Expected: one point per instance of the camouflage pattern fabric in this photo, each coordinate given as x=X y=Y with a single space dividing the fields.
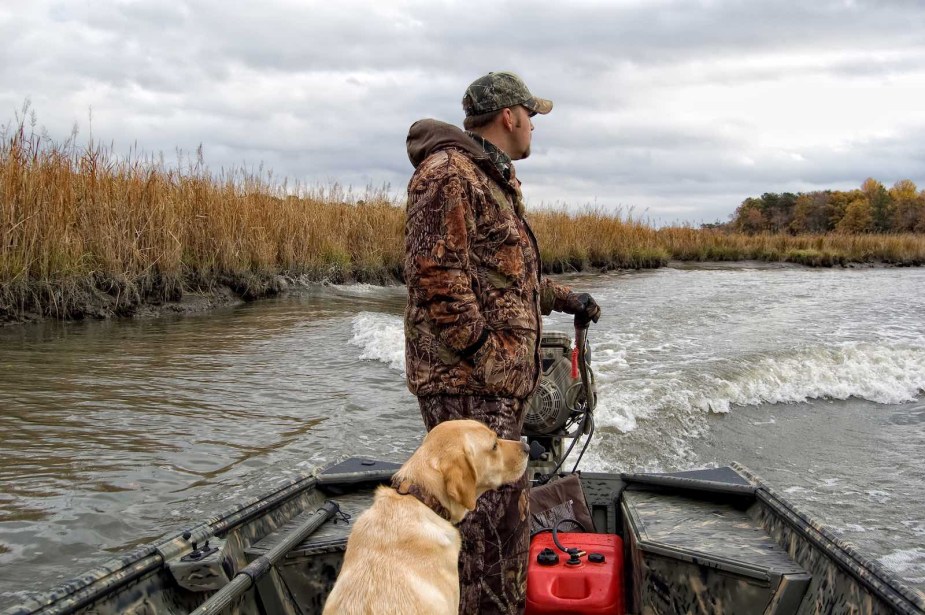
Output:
x=496 y=535
x=498 y=90
x=475 y=294
x=501 y=160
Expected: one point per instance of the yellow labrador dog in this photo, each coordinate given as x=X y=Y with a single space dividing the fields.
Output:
x=403 y=552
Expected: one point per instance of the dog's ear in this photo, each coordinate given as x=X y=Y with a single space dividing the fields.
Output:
x=461 y=481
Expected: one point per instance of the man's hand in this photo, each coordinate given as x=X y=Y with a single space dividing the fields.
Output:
x=584 y=307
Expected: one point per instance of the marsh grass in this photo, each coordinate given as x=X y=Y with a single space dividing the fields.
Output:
x=595 y=239
x=84 y=232
x=689 y=244
x=81 y=227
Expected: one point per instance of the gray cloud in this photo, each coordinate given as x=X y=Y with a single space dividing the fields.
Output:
x=676 y=108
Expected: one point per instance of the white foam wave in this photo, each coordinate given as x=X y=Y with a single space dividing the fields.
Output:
x=881 y=497
x=358 y=289
x=886 y=375
x=629 y=393
x=381 y=337
x=856 y=528
x=908 y=563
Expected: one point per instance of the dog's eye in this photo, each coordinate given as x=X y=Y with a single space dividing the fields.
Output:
x=495 y=447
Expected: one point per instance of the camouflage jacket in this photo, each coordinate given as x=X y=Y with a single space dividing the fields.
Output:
x=475 y=293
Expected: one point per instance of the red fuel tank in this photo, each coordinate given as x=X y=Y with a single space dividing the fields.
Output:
x=592 y=586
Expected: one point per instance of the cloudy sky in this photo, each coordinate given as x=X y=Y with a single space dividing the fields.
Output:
x=673 y=110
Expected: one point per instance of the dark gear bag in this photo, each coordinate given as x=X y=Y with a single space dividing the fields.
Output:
x=560 y=499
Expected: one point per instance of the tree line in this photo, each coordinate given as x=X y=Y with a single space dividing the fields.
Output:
x=872 y=208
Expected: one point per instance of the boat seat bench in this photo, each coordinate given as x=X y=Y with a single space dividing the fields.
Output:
x=705 y=556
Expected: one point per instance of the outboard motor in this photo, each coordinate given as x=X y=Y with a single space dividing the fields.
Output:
x=556 y=411
x=562 y=408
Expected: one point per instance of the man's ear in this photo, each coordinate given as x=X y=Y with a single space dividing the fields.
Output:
x=460 y=479
x=508 y=118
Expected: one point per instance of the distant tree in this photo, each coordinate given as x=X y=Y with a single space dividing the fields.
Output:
x=838 y=205
x=858 y=218
x=881 y=205
x=908 y=206
x=777 y=210
x=904 y=189
x=920 y=225
x=802 y=212
x=812 y=213
x=868 y=209
x=749 y=217
x=783 y=213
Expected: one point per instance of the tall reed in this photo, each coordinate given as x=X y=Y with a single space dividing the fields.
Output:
x=595 y=239
x=80 y=225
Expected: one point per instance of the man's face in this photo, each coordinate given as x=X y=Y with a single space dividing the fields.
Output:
x=523 y=132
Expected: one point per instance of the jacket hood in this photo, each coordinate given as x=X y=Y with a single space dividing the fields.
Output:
x=428 y=136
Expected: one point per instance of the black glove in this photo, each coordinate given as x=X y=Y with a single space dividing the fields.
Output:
x=584 y=307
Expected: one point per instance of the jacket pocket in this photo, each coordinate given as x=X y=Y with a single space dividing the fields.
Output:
x=502 y=255
x=495 y=363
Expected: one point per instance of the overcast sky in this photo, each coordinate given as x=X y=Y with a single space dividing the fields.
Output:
x=674 y=110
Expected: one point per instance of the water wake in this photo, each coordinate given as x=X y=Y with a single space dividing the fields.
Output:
x=380 y=337
x=908 y=563
x=882 y=374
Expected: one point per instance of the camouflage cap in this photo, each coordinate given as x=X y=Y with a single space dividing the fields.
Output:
x=498 y=90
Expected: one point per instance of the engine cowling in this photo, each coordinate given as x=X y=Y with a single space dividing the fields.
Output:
x=558 y=395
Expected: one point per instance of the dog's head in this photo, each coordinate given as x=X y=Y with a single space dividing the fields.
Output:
x=460 y=460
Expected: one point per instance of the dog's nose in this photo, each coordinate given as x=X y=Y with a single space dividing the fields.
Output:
x=525 y=446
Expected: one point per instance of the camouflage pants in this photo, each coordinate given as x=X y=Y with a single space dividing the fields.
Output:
x=496 y=535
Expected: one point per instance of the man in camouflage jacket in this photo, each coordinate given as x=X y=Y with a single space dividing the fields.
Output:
x=475 y=299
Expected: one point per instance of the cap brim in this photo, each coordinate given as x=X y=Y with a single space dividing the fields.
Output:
x=539 y=105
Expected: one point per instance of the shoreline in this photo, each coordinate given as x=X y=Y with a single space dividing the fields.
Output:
x=191 y=302
x=93 y=303
x=759 y=264
x=145 y=300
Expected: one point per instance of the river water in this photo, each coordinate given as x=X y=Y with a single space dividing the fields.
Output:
x=115 y=433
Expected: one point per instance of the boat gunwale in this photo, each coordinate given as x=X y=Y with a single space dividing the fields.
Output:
x=889 y=586
x=100 y=579
x=150 y=557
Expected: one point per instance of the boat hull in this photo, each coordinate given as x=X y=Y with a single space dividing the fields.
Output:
x=712 y=541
